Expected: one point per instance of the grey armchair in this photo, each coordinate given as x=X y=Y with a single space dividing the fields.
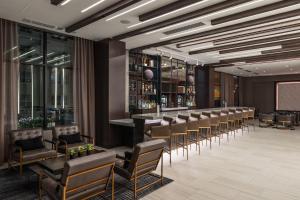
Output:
x=32 y=153
x=82 y=178
x=144 y=160
x=62 y=145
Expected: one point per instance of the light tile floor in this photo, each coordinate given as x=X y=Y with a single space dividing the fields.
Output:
x=260 y=165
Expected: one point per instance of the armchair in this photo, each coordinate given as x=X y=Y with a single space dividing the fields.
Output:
x=60 y=132
x=28 y=146
x=82 y=178
x=144 y=160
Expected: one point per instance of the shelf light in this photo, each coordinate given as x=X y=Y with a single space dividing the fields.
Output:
x=169 y=13
x=130 y=10
x=92 y=6
x=24 y=54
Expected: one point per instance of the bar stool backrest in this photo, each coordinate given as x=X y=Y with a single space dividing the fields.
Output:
x=231 y=116
x=216 y=112
x=193 y=125
x=232 y=110
x=178 y=128
x=160 y=131
x=204 y=123
x=223 y=118
x=238 y=115
x=214 y=119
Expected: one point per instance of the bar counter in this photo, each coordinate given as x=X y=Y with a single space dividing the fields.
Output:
x=176 y=113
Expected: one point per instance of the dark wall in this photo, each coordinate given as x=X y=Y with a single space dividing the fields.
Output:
x=227 y=88
x=259 y=92
x=202 y=87
x=110 y=73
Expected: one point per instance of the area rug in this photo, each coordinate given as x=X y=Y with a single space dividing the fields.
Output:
x=15 y=187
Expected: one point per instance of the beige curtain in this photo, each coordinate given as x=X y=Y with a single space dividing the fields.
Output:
x=84 y=100
x=9 y=72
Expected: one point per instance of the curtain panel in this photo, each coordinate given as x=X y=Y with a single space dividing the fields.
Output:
x=84 y=90
x=9 y=73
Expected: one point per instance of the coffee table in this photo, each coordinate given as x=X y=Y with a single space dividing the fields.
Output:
x=56 y=165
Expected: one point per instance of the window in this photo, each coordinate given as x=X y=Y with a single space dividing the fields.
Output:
x=45 y=96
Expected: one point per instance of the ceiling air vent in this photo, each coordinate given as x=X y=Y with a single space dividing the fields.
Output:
x=41 y=24
x=184 y=28
x=173 y=49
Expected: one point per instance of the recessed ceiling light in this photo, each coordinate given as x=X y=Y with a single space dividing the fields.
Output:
x=92 y=6
x=125 y=21
x=65 y=2
x=265 y=71
x=132 y=9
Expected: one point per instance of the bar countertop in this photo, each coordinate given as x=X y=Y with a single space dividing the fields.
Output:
x=160 y=115
x=123 y=122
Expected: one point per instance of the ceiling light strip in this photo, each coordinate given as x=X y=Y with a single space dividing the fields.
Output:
x=92 y=6
x=169 y=13
x=130 y=10
x=262 y=36
x=65 y=2
x=24 y=54
x=254 y=29
x=202 y=17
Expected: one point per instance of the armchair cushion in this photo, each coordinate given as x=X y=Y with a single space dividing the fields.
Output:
x=71 y=139
x=35 y=154
x=30 y=144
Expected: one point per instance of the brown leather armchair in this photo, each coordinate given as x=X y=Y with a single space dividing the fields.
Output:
x=144 y=160
x=82 y=178
x=62 y=145
x=31 y=155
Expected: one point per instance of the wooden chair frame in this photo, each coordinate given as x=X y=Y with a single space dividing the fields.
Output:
x=66 y=190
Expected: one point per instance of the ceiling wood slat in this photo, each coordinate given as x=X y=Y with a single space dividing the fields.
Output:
x=255 y=11
x=233 y=27
x=192 y=15
x=249 y=43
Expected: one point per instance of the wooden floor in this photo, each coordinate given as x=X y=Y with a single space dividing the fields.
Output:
x=264 y=164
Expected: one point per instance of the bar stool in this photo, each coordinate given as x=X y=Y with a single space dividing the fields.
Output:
x=238 y=116
x=224 y=124
x=204 y=127
x=251 y=117
x=163 y=132
x=192 y=130
x=179 y=135
x=231 y=121
x=245 y=124
x=215 y=127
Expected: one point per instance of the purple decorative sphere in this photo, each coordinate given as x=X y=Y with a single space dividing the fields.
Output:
x=191 y=79
x=148 y=74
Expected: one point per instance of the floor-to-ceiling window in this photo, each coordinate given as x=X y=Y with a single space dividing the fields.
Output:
x=45 y=96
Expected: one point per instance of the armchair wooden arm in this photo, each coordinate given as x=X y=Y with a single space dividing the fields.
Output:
x=54 y=144
x=91 y=139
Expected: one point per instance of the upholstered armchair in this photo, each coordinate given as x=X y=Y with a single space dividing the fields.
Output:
x=82 y=178
x=67 y=137
x=28 y=146
x=144 y=160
